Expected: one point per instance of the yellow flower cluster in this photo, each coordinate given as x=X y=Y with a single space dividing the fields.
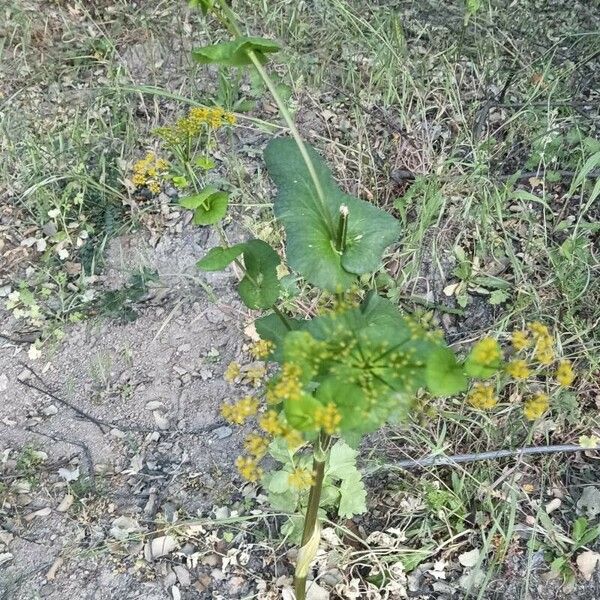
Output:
x=487 y=352
x=482 y=396
x=256 y=445
x=261 y=349
x=248 y=468
x=270 y=423
x=254 y=374
x=192 y=125
x=544 y=342
x=301 y=479
x=327 y=418
x=150 y=172
x=289 y=386
x=518 y=369
x=232 y=372
x=520 y=340
x=238 y=412
x=564 y=373
x=535 y=407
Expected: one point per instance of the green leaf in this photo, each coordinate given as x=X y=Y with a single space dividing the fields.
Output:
x=444 y=375
x=342 y=461
x=260 y=287
x=498 y=297
x=209 y=206
x=279 y=482
x=312 y=226
x=300 y=412
x=271 y=328
x=235 y=53
x=280 y=451
x=353 y=497
x=218 y=258
x=349 y=399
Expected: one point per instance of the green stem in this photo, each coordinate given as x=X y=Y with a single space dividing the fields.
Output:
x=230 y=21
x=320 y=451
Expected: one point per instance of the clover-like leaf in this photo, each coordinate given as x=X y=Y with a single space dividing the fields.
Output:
x=311 y=224
x=217 y=259
x=235 y=53
x=209 y=206
x=353 y=497
x=443 y=374
x=260 y=286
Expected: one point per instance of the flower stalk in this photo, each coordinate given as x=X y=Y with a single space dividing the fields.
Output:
x=312 y=531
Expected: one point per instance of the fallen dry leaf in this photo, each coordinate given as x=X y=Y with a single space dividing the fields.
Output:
x=587 y=562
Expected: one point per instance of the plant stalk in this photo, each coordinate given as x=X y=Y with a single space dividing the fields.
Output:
x=311 y=525
x=230 y=21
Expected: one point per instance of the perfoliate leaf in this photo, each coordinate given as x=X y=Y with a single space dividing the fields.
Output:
x=353 y=497
x=209 y=206
x=348 y=398
x=300 y=412
x=271 y=328
x=260 y=287
x=235 y=53
x=218 y=258
x=444 y=375
x=311 y=225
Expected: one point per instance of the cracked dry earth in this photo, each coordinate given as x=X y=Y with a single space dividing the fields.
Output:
x=85 y=494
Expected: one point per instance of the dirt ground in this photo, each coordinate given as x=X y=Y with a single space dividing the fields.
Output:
x=158 y=383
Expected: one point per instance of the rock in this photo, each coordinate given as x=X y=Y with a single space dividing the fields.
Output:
x=183 y=575
x=3 y=382
x=153 y=405
x=50 y=411
x=223 y=432
x=469 y=559
x=162 y=421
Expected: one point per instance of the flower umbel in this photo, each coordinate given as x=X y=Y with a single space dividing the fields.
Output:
x=256 y=445
x=248 y=468
x=520 y=340
x=261 y=349
x=535 y=407
x=231 y=372
x=482 y=396
x=238 y=413
x=487 y=352
x=518 y=369
x=270 y=423
x=301 y=479
x=327 y=418
x=564 y=373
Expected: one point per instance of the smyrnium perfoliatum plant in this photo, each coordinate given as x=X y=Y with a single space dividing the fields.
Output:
x=347 y=371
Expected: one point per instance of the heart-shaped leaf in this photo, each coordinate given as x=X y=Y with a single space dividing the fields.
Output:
x=260 y=287
x=311 y=224
x=235 y=53
x=218 y=258
x=209 y=206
